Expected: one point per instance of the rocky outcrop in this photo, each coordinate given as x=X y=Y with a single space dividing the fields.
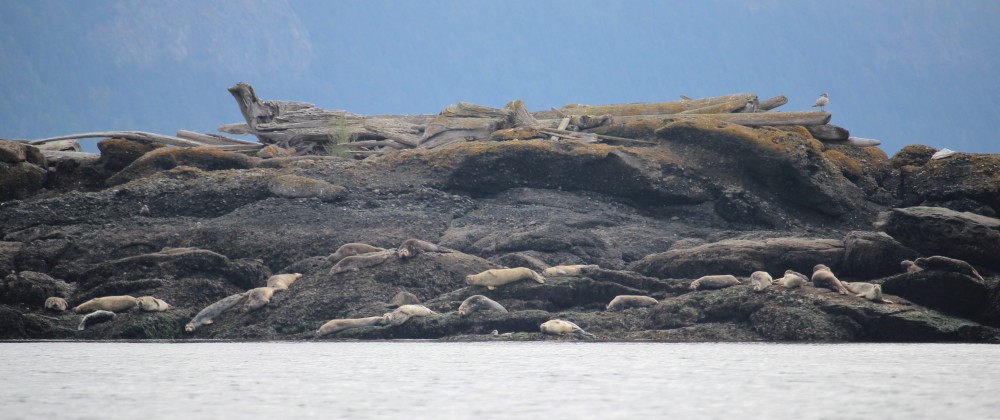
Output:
x=22 y=170
x=940 y=231
x=742 y=257
x=193 y=226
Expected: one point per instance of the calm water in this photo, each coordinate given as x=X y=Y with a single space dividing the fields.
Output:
x=497 y=380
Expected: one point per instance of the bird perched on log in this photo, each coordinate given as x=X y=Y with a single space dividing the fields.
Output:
x=822 y=101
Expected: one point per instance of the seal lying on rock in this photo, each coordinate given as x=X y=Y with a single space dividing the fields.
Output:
x=106 y=303
x=870 y=291
x=357 y=262
x=792 y=280
x=501 y=276
x=563 y=327
x=622 y=302
x=714 y=282
x=940 y=263
x=282 y=281
x=338 y=325
x=760 y=280
x=477 y=303
x=405 y=312
x=823 y=278
x=353 y=248
x=413 y=247
x=568 y=270
x=95 y=317
x=258 y=298
x=404 y=298
x=207 y=315
x=910 y=267
x=152 y=304
x=56 y=303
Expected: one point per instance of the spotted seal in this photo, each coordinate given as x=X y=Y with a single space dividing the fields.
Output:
x=353 y=248
x=152 y=304
x=56 y=303
x=96 y=317
x=760 y=280
x=568 y=270
x=413 y=247
x=338 y=325
x=792 y=280
x=870 y=291
x=282 y=281
x=824 y=278
x=563 y=327
x=477 y=303
x=357 y=262
x=106 y=303
x=207 y=315
x=714 y=282
x=501 y=276
x=622 y=302
x=940 y=263
x=405 y=312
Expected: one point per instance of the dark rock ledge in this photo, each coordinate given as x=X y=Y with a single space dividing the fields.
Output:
x=193 y=226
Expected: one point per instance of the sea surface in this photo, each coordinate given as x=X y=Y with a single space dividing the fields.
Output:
x=497 y=380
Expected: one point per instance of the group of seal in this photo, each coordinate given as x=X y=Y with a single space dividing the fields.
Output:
x=355 y=255
x=252 y=299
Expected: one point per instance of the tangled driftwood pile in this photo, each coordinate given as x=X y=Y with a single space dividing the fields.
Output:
x=291 y=127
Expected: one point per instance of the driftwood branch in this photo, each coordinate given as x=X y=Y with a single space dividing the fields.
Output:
x=828 y=132
x=131 y=135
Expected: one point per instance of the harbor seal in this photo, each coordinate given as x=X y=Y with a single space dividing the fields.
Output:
x=910 y=266
x=563 y=327
x=622 y=302
x=940 y=263
x=350 y=249
x=258 y=298
x=413 y=247
x=477 y=303
x=823 y=278
x=793 y=280
x=152 y=304
x=501 y=276
x=282 y=281
x=56 y=303
x=94 y=318
x=338 y=325
x=207 y=315
x=760 y=280
x=568 y=270
x=405 y=312
x=714 y=282
x=106 y=303
x=404 y=298
x=870 y=291
x=357 y=262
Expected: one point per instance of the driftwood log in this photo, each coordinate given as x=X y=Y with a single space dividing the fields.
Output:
x=311 y=130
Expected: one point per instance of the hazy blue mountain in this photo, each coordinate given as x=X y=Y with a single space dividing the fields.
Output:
x=913 y=72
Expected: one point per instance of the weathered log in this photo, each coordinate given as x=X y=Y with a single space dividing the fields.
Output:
x=772 y=103
x=645 y=108
x=214 y=139
x=131 y=135
x=565 y=133
x=313 y=130
x=756 y=119
x=730 y=105
x=61 y=145
x=828 y=132
x=374 y=143
x=55 y=156
x=860 y=142
x=519 y=115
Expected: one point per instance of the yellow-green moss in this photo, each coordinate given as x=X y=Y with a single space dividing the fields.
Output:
x=850 y=167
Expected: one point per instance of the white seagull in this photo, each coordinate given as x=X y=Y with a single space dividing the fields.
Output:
x=822 y=101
